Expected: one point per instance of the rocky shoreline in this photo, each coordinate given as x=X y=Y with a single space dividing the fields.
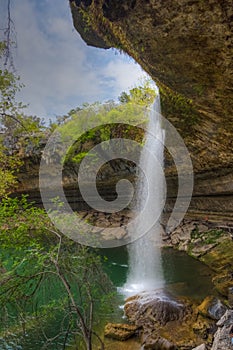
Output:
x=209 y=242
x=164 y=323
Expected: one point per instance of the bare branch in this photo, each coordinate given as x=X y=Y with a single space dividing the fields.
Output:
x=3 y=114
x=9 y=38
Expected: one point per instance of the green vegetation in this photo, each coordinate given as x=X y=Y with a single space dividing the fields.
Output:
x=95 y=123
x=46 y=277
x=12 y=119
x=199 y=89
x=202 y=239
x=8 y=168
x=179 y=110
x=209 y=237
x=13 y=123
x=34 y=257
x=131 y=109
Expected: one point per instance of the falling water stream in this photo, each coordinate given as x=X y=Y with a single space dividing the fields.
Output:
x=145 y=266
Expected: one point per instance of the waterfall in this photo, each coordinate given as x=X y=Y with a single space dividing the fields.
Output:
x=145 y=266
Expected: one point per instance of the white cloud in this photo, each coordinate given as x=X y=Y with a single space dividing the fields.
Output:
x=59 y=70
x=122 y=74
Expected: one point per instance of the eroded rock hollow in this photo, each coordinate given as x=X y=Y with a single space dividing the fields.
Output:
x=186 y=46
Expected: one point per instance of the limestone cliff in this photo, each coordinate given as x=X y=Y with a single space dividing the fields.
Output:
x=186 y=46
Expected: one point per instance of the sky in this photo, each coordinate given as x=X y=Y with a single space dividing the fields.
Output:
x=58 y=69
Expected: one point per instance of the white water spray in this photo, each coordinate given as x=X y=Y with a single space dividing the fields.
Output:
x=145 y=266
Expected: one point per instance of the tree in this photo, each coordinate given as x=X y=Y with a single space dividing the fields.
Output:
x=15 y=127
x=40 y=256
x=8 y=169
x=11 y=121
x=12 y=118
x=10 y=110
x=143 y=95
x=116 y=121
x=9 y=37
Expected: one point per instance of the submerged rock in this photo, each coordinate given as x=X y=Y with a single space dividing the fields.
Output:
x=120 y=331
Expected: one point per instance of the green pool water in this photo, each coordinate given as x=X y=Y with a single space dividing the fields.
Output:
x=184 y=276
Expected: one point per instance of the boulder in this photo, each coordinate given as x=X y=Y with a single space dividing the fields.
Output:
x=187 y=230
x=182 y=233
x=201 y=248
x=222 y=338
x=226 y=319
x=152 y=307
x=120 y=331
x=110 y=234
x=212 y=307
x=175 y=239
x=168 y=323
x=158 y=344
x=230 y=297
x=184 y=246
x=200 y=347
x=202 y=228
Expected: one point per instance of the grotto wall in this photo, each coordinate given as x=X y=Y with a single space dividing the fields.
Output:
x=187 y=47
